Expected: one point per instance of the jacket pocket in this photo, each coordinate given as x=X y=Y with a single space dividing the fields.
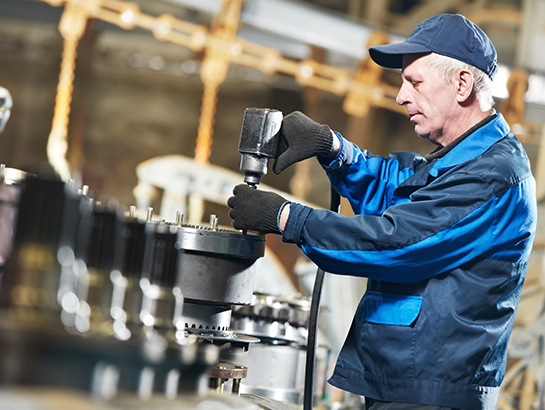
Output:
x=391 y=309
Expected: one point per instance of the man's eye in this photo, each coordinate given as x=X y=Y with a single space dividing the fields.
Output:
x=415 y=83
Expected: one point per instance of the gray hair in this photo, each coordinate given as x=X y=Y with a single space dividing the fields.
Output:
x=482 y=84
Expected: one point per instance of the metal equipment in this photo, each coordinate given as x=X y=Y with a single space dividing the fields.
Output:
x=91 y=300
x=10 y=190
x=216 y=271
x=135 y=312
x=6 y=103
x=258 y=142
x=276 y=366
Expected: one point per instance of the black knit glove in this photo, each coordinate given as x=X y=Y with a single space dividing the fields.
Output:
x=255 y=210
x=302 y=138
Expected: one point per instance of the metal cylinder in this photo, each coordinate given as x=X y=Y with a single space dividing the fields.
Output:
x=95 y=288
x=31 y=278
x=259 y=131
x=127 y=294
x=276 y=366
x=160 y=295
x=207 y=317
x=9 y=200
x=218 y=266
x=258 y=142
x=254 y=167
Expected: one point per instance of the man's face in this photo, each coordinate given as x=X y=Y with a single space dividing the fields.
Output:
x=430 y=100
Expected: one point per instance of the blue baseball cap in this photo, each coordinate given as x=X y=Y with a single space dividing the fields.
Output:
x=451 y=35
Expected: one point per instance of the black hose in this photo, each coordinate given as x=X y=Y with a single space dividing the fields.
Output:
x=312 y=339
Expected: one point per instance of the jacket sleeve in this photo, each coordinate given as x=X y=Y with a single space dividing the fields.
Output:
x=442 y=227
x=368 y=181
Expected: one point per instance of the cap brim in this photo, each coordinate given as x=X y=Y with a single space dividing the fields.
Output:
x=391 y=55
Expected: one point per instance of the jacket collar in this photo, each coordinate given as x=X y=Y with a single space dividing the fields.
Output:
x=472 y=146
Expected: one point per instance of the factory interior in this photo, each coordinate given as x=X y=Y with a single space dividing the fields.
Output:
x=122 y=146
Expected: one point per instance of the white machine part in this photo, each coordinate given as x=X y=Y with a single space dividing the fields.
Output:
x=6 y=103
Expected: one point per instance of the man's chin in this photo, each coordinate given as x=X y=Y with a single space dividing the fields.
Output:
x=421 y=135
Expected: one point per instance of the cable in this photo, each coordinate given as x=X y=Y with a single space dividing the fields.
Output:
x=312 y=340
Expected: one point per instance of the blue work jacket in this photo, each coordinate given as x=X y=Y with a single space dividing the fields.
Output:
x=445 y=245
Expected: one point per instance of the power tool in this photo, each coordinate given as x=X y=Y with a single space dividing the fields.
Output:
x=258 y=142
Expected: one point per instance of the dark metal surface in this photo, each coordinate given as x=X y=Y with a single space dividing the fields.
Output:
x=133 y=244
x=103 y=239
x=214 y=278
x=218 y=266
x=9 y=198
x=221 y=241
x=258 y=142
x=31 y=277
x=161 y=255
x=259 y=131
x=207 y=317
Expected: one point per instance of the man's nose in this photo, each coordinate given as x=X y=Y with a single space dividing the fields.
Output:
x=402 y=96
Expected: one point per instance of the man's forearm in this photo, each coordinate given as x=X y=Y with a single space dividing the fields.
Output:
x=284 y=215
x=334 y=149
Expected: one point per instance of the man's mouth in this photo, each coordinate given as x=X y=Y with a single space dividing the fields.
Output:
x=413 y=115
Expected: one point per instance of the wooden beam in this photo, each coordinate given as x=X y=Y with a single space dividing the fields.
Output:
x=377 y=11
x=424 y=10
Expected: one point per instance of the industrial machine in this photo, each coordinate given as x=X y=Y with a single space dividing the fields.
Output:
x=276 y=366
x=91 y=300
x=134 y=312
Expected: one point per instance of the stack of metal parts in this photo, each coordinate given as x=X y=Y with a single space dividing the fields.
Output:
x=276 y=366
x=132 y=313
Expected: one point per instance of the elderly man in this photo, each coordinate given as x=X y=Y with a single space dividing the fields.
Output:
x=444 y=240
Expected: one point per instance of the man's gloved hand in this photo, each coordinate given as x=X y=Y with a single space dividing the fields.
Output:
x=302 y=138
x=255 y=210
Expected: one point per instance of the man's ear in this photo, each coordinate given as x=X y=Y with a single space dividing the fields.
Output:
x=464 y=85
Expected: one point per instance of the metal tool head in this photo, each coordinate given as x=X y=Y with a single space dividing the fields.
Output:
x=258 y=142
